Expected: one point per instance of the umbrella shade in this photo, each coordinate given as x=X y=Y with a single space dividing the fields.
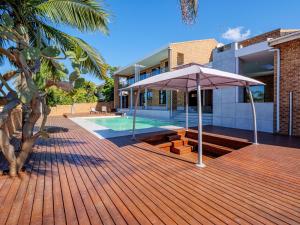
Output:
x=186 y=79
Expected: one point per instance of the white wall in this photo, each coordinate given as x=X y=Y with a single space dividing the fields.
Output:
x=227 y=112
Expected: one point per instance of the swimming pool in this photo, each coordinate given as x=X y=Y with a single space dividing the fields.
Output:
x=116 y=126
x=125 y=123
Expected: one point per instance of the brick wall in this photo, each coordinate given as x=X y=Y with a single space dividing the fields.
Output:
x=289 y=81
x=263 y=37
x=198 y=51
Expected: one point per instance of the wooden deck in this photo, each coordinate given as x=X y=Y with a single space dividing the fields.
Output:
x=76 y=178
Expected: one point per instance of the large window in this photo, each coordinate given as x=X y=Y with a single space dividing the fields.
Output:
x=260 y=93
x=162 y=97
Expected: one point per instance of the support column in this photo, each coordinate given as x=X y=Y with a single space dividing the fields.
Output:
x=167 y=100
x=121 y=102
x=253 y=114
x=134 y=113
x=131 y=99
x=171 y=104
x=187 y=110
x=146 y=98
x=200 y=150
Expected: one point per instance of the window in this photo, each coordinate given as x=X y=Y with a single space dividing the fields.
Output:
x=149 y=95
x=180 y=58
x=260 y=93
x=162 y=97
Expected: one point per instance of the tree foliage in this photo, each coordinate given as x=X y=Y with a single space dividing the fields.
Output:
x=106 y=91
x=31 y=42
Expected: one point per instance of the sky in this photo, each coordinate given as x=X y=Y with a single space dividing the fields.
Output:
x=139 y=27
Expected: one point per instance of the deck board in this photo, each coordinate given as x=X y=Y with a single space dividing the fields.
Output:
x=76 y=178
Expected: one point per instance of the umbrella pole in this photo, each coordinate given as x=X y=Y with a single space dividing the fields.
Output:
x=187 y=109
x=253 y=114
x=200 y=160
x=134 y=113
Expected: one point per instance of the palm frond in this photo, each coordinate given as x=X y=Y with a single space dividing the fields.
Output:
x=189 y=10
x=94 y=64
x=85 y=15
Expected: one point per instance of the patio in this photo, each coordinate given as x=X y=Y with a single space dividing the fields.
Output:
x=76 y=178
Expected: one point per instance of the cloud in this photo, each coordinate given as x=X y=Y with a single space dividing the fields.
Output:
x=236 y=34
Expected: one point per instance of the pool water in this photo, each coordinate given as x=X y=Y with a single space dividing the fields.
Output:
x=125 y=123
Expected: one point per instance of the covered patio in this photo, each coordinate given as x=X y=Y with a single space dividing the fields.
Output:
x=188 y=78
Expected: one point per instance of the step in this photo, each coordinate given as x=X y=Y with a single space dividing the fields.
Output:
x=229 y=142
x=182 y=149
x=165 y=146
x=215 y=149
x=177 y=143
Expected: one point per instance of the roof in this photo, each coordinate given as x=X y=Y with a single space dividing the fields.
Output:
x=185 y=78
x=286 y=38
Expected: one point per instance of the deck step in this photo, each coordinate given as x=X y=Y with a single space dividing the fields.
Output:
x=181 y=150
x=215 y=149
x=230 y=142
x=177 y=143
x=165 y=146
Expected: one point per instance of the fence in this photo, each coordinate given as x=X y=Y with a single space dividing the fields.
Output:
x=78 y=108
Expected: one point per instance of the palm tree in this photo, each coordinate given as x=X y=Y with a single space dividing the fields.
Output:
x=29 y=38
x=189 y=10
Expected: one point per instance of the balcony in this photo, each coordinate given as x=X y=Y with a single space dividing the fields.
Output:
x=130 y=80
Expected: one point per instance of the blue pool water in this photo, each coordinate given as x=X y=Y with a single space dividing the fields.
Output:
x=125 y=123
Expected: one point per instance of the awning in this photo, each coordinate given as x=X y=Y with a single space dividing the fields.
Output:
x=196 y=77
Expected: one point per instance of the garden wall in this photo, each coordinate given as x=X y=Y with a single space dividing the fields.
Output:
x=78 y=108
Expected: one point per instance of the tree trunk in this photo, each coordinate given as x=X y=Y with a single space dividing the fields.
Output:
x=31 y=114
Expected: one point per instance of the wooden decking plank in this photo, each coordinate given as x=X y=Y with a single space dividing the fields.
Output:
x=148 y=203
x=38 y=201
x=258 y=211
x=158 y=165
x=115 y=198
x=91 y=211
x=123 y=170
x=182 y=190
x=69 y=208
x=25 y=214
x=13 y=218
x=48 y=207
x=260 y=208
x=77 y=178
x=134 y=210
x=112 y=209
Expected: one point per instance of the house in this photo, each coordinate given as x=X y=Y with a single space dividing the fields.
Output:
x=157 y=103
x=256 y=57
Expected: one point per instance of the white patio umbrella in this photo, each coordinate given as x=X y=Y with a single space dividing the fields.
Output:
x=197 y=77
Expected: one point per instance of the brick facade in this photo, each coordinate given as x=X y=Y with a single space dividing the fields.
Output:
x=263 y=37
x=289 y=81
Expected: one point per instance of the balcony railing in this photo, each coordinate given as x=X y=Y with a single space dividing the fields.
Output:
x=143 y=76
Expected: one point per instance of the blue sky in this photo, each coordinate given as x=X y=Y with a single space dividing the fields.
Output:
x=139 y=27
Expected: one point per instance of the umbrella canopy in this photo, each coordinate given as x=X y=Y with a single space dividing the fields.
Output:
x=186 y=79
x=198 y=77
